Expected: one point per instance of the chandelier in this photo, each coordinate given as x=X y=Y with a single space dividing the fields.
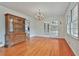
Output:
x=39 y=15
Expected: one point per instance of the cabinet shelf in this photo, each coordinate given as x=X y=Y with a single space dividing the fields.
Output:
x=16 y=23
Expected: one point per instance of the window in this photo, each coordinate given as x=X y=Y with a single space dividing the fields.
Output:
x=69 y=22
x=72 y=23
x=51 y=28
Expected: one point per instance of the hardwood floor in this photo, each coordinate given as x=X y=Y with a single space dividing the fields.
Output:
x=39 y=46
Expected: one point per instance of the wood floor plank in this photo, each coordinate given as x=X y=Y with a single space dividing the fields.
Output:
x=39 y=46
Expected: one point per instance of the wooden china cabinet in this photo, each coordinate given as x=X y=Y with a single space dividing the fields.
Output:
x=15 y=29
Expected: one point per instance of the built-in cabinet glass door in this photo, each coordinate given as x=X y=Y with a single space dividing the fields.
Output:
x=11 y=25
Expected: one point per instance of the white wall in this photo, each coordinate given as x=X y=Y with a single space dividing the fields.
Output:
x=37 y=27
x=3 y=11
x=73 y=43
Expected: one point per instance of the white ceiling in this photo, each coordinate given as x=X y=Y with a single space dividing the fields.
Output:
x=30 y=8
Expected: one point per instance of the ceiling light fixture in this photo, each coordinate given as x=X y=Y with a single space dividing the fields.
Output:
x=39 y=15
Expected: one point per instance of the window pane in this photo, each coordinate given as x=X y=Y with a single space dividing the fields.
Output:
x=69 y=23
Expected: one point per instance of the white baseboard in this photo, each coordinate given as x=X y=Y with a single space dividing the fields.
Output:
x=40 y=35
x=71 y=48
x=45 y=36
